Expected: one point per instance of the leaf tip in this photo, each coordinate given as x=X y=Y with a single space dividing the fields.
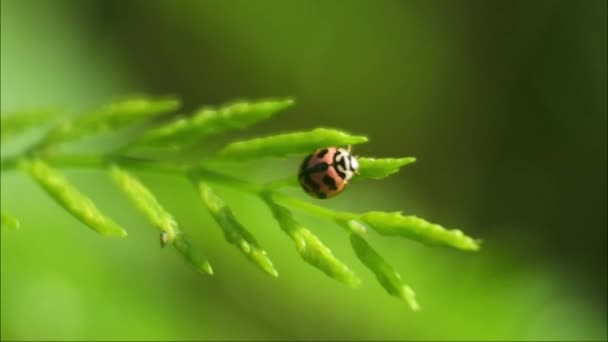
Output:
x=409 y=297
x=407 y=160
x=467 y=243
x=360 y=139
x=288 y=101
x=476 y=245
x=117 y=233
x=206 y=267
x=263 y=261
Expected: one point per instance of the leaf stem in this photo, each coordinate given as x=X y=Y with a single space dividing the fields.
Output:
x=223 y=179
x=342 y=218
x=132 y=163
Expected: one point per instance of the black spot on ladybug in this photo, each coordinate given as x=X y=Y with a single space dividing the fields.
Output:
x=305 y=163
x=322 y=153
x=319 y=167
x=330 y=182
x=313 y=185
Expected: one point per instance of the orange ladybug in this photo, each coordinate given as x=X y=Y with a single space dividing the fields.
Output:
x=325 y=172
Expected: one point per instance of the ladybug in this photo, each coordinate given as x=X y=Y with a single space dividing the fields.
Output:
x=326 y=171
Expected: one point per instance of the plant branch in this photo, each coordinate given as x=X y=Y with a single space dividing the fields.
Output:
x=182 y=135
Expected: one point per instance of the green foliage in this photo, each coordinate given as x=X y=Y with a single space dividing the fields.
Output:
x=16 y=123
x=283 y=145
x=234 y=232
x=385 y=273
x=123 y=162
x=146 y=202
x=195 y=257
x=416 y=228
x=209 y=121
x=72 y=200
x=381 y=168
x=110 y=117
x=311 y=249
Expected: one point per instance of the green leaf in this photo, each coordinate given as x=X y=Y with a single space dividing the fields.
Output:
x=385 y=273
x=112 y=117
x=197 y=259
x=66 y=195
x=8 y=222
x=17 y=123
x=234 y=232
x=311 y=249
x=210 y=121
x=381 y=168
x=412 y=227
x=146 y=202
x=282 y=145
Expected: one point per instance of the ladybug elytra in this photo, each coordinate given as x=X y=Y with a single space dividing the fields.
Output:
x=326 y=171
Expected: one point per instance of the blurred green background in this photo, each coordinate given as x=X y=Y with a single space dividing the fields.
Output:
x=503 y=103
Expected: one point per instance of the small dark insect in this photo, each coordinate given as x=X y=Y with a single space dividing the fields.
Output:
x=326 y=171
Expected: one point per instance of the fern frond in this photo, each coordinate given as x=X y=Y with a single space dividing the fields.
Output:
x=283 y=145
x=72 y=200
x=381 y=168
x=418 y=229
x=204 y=124
x=209 y=121
x=195 y=257
x=311 y=249
x=234 y=232
x=111 y=117
x=385 y=273
x=14 y=124
x=146 y=202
